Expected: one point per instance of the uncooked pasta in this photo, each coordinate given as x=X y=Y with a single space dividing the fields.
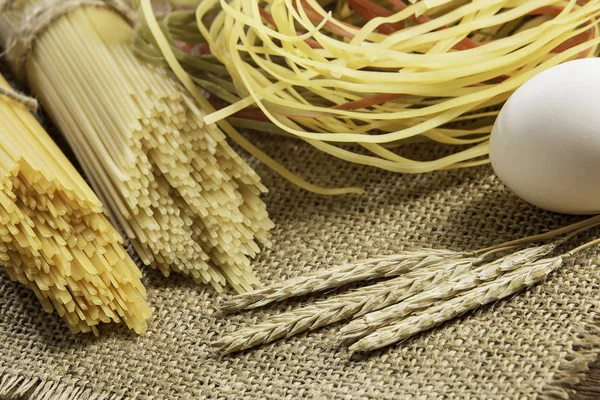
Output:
x=371 y=73
x=54 y=236
x=185 y=199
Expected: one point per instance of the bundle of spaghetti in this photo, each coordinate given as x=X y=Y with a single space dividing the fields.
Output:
x=183 y=196
x=54 y=236
x=373 y=73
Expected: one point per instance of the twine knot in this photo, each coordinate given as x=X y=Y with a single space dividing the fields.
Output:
x=29 y=102
x=42 y=14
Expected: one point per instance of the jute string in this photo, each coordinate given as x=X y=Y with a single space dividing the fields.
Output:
x=29 y=102
x=34 y=21
x=36 y=18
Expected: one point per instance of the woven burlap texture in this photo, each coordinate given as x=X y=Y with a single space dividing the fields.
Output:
x=532 y=346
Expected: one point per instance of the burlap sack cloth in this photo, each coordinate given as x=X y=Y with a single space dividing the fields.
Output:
x=535 y=345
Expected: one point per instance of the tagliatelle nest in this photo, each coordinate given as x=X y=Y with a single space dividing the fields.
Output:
x=372 y=72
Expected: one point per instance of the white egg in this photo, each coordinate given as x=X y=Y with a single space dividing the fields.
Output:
x=545 y=145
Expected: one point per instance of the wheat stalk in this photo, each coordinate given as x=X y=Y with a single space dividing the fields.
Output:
x=506 y=285
x=442 y=292
x=380 y=267
x=343 y=307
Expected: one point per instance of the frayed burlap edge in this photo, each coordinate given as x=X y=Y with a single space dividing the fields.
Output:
x=571 y=372
x=19 y=386
x=576 y=366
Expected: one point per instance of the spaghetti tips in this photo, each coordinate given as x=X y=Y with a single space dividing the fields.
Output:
x=185 y=199
x=54 y=237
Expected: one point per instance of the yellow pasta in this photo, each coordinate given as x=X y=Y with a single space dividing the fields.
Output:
x=374 y=73
x=54 y=236
x=185 y=199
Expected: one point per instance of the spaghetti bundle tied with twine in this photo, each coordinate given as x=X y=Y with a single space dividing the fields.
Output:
x=54 y=236
x=185 y=199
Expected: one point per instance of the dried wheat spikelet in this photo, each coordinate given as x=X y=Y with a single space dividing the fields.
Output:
x=364 y=270
x=506 y=285
x=448 y=279
x=383 y=303
x=54 y=236
x=345 y=306
x=442 y=292
x=184 y=198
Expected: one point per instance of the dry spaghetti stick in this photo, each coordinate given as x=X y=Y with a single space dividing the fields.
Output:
x=58 y=242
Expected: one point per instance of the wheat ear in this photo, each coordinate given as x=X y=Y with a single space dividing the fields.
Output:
x=381 y=267
x=506 y=285
x=444 y=291
x=343 y=307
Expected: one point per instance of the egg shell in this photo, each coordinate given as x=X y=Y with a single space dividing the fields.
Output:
x=545 y=144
